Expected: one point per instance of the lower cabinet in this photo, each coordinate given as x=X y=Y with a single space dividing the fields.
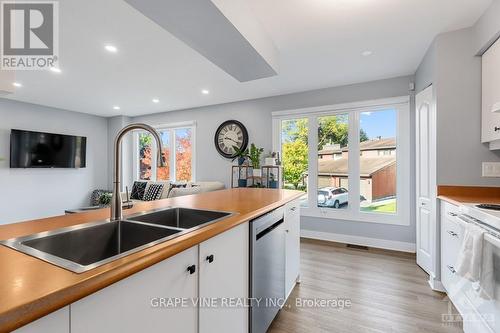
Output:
x=292 y=252
x=144 y=302
x=56 y=322
x=224 y=277
x=194 y=291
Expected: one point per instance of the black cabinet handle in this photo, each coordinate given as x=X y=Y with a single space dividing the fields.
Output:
x=497 y=128
x=210 y=258
x=191 y=269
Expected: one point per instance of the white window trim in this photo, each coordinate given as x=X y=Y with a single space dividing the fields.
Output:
x=403 y=190
x=171 y=127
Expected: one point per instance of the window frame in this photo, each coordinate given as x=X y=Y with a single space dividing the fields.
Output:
x=172 y=146
x=354 y=110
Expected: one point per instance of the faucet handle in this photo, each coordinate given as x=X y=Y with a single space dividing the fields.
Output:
x=128 y=202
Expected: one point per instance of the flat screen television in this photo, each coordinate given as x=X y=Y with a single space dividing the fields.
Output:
x=46 y=150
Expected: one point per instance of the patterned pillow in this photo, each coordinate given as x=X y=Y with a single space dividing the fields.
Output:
x=138 y=190
x=154 y=192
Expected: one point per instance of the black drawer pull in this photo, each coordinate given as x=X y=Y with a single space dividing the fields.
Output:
x=191 y=269
x=452 y=269
x=210 y=258
x=452 y=214
x=497 y=128
x=452 y=233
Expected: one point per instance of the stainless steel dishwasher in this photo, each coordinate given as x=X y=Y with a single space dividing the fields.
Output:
x=267 y=269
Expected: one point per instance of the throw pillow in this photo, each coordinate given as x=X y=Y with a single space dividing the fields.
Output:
x=138 y=190
x=154 y=192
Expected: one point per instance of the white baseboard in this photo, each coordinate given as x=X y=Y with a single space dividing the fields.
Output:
x=357 y=240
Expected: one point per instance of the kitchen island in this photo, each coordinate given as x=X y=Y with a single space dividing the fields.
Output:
x=31 y=288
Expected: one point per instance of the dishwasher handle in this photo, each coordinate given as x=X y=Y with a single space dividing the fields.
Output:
x=269 y=229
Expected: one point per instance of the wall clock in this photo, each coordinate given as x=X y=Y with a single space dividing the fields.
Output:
x=229 y=134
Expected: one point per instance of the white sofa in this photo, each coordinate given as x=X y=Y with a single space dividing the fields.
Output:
x=191 y=188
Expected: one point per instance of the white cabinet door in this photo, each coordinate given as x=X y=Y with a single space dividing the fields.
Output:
x=491 y=93
x=56 y=322
x=131 y=305
x=292 y=252
x=426 y=181
x=224 y=276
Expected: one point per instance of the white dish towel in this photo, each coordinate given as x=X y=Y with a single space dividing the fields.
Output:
x=469 y=262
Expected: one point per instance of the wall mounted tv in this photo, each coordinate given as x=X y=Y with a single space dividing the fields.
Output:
x=46 y=150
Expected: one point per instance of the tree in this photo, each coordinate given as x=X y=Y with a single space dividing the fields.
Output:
x=295 y=157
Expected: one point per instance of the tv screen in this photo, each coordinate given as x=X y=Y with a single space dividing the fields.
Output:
x=46 y=150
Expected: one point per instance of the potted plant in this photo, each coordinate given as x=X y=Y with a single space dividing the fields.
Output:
x=240 y=155
x=105 y=199
x=273 y=183
x=254 y=155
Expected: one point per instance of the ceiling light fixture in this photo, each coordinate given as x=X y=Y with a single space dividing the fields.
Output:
x=111 y=48
x=55 y=69
x=156 y=100
x=116 y=107
x=17 y=84
x=205 y=92
x=367 y=53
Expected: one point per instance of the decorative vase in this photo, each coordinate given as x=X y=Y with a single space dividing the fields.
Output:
x=242 y=183
x=257 y=172
x=273 y=184
x=269 y=161
x=241 y=160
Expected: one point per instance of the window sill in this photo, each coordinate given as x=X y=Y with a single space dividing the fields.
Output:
x=348 y=215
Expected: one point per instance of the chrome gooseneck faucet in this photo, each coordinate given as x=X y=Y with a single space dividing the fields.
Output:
x=116 y=203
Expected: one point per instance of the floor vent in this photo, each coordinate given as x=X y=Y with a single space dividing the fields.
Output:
x=357 y=247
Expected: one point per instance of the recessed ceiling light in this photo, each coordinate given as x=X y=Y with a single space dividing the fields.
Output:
x=116 y=107
x=367 y=53
x=55 y=69
x=111 y=48
x=205 y=92
x=17 y=84
x=156 y=100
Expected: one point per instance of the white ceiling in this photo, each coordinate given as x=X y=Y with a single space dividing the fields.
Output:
x=319 y=42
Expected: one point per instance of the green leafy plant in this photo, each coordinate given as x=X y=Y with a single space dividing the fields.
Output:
x=254 y=155
x=105 y=199
x=239 y=153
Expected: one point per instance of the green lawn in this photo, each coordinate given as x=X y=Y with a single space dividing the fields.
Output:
x=387 y=208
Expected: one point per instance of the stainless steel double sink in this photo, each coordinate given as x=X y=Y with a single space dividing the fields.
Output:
x=86 y=246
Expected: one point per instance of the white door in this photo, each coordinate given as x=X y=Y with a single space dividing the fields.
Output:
x=224 y=277
x=426 y=179
x=144 y=302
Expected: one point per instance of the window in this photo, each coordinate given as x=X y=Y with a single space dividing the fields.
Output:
x=333 y=174
x=377 y=163
x=177 y=152
x=293 y=142
x=353 y=159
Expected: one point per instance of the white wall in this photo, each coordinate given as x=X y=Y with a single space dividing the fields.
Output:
x=37 y=193
x=256 y=116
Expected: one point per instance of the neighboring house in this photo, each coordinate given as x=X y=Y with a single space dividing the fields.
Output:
x=377 y=168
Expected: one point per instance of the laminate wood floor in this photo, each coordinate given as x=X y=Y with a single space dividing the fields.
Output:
x=388 y=292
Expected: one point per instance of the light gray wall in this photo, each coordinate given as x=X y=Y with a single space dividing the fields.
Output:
x=37 y=193
x=453 y=68
x=256 y=115
x=458 y=95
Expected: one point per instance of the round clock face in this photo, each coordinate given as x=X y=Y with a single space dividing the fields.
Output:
x=231 y=133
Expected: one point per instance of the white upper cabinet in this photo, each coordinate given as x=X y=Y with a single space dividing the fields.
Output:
x=292 y=254
x=145 y=301
x=224 y=275
x=491 y=94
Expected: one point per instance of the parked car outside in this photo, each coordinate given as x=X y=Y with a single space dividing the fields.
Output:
x=332 y=197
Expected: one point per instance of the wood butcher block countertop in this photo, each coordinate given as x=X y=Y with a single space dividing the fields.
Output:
x=31 y=288
x=458 y=195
